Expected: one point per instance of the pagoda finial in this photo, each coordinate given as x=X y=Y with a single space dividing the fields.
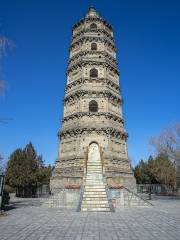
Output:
x=92 y=12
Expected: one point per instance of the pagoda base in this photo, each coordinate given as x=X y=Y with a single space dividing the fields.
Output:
x=113 y=180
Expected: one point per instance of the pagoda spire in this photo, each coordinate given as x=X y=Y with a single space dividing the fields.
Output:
x=92 y=12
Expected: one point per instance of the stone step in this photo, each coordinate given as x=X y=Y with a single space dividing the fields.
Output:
x=88 y=198
x=94 y=168
x=95 y=190
x=95 y=209
x=89 y=186
x=90 y=183
x=91 y=205
x=95 y=180
x=98 y=177
x=95 y=198
x=93 y=193
x=90 y=168
x=94 y=174
x=94 y=162
x=95 y=186
x=94 y=205
x=94 y=171
x=98 y=193
x=89 y=202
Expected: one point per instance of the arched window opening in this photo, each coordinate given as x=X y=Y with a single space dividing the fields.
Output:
x=93 y=106
x=94 y=73
x=93 y=26
x=93 y=46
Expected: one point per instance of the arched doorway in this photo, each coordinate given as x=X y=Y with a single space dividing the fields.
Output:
x=93 y=106
x=94 y=153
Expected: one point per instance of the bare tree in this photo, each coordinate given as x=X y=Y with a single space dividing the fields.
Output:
x=2 y=164
x=5 y=43
x=168 y=143
x=2 y=87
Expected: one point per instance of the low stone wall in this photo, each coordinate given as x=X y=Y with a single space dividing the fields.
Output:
x=64 y=198
x=122 y=197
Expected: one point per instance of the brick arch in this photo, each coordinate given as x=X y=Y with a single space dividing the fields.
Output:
x=93 y=106
x=93 y=141
x=93 y=46
x=93 y=26
x=93 y=72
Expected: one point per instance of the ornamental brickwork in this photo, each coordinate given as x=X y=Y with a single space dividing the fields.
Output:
x=92 y=108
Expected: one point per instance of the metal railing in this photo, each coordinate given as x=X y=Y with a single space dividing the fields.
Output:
x=108 y=195
x=109 y=200
x=80 y=198
x=86 y=158
x=135 y=194
x=102 y=159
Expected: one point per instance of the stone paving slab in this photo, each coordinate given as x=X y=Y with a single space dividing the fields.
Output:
x=31 y=222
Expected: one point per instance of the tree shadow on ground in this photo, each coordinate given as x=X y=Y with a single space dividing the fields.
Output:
x=22 y=203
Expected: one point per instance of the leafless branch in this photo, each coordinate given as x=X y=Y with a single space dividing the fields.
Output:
x=2 y=87
x=168 y=142
x=5 y=43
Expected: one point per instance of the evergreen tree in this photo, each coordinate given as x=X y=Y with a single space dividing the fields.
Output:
x=163 y=170
x=141 y=172
x=155 y=170
x=26 y=170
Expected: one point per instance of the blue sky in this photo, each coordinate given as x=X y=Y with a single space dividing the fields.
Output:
x=147 y=36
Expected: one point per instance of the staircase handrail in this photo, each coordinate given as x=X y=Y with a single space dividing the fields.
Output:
x=107 y=192
x=80 y=198
x=102 y=159
x=138 y=196
x=109 y=200
x=86 y=158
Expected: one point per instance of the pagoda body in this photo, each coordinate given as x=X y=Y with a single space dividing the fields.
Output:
x=92 y=109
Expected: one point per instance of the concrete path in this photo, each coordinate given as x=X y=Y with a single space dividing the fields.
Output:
x=31 y=222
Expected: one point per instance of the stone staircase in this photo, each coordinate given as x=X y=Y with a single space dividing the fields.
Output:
x=94 y=197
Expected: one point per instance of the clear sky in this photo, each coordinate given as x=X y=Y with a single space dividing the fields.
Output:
x=147 y=35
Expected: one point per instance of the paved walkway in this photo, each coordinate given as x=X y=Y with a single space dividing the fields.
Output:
x=31 y=222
